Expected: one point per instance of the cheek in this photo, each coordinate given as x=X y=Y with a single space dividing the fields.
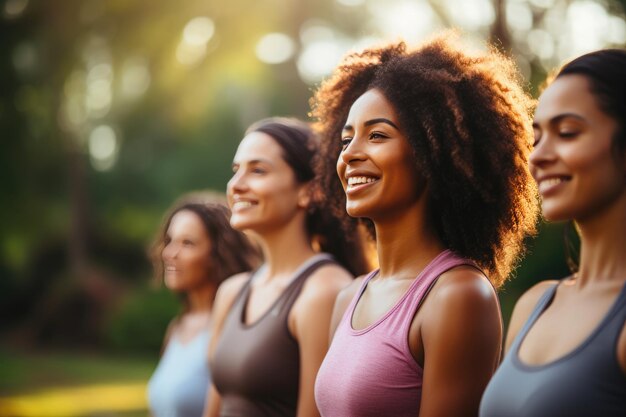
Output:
x=341 y=170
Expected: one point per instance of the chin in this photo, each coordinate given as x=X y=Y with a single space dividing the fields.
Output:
x=553 y=215
x=356 y=212
x=238 y=223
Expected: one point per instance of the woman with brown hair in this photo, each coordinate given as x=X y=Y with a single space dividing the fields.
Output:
x=272 y=326
x=195 y=250
x=430 y=144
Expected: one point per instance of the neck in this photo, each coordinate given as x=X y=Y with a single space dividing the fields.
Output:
x=285 y=248
x=603 y=245
x=200 y=299
x=406 y=243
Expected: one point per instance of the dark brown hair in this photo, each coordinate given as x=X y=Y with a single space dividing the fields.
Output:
x=300 y=147
x=231 y=250
x=468 y=121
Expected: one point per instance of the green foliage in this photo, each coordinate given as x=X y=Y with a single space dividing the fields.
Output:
x=139 y=323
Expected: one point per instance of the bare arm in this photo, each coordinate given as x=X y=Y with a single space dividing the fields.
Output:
x=461 y=333
x=309 y=322
x=224 y=299
x=523 y=307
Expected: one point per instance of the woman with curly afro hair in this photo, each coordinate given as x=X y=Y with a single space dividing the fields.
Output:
x=430 y=145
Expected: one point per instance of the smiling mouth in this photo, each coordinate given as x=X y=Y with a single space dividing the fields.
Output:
x=242 y=205
x=357 y=183
x=550 y=184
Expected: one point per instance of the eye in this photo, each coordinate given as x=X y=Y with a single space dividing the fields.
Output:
x=258 y=170
x=568 y=133
x=378 y=135
x=235 y=168
x=187 y=242
x=345 y=141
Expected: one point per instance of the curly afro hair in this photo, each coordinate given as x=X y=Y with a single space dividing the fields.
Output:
x=469 y=123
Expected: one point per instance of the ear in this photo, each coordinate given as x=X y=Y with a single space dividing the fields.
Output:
x=304 y=196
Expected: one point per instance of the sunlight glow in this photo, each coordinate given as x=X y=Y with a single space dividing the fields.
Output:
x=588 y=23
x=199 y=31
x=541 y=43
x=545 y=4
x=351 y=3
x=14 y=8
x=471 y=14
x=196 y=35
x=275 y=48
x=135 y=78
x=409 y=20
x=617 y=30
x=104 y=399
x=316 y=30
x=99 y=93
x=318 y=59
x=103 y=147
x=519 y=16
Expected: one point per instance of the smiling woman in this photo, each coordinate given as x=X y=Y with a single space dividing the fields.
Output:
x=430 y=145
x=567 y=340
x=195 y=251
x=272 y=325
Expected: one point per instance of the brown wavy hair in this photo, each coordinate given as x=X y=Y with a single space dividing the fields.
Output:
x=469 y=123
x=232 y=251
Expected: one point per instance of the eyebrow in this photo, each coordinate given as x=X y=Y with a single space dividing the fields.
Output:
x=252 y=162
x=373 y=122
x=558 y=118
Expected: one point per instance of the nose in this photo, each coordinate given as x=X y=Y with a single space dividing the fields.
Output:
x=353 y=151
x=169 y=252
x=237 y=183
x=543 y=151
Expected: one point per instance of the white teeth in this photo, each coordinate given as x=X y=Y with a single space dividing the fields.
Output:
x=360 y=180
x=551 y=181
x=170 y=268
x=241 y=205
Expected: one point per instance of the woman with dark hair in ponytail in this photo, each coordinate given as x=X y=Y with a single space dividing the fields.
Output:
x=271 y=326
x=567 y=339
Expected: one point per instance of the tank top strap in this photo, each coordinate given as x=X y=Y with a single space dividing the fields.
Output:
x=295 y=286
x=425 y=281
x=611 y=327
x=236 y=310
x=347 y=315
x=542 y=304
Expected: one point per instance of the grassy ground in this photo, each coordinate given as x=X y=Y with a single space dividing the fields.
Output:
x=73 y=384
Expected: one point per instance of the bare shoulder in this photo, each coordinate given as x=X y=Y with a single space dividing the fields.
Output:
x=463 y=286
x=326 y=281
x=528 y=300
x=464 y=300
x=229 y=289
x=347 y=293
x=227 y=292
x=524 y=307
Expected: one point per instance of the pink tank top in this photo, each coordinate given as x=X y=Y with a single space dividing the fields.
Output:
x=371 y=372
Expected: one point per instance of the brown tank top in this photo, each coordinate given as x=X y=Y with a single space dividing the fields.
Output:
x=256 y=367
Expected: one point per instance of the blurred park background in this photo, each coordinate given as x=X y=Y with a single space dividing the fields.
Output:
x=111 y=109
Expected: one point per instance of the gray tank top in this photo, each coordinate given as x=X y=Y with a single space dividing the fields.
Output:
x=586 y=382
x=256 y=367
